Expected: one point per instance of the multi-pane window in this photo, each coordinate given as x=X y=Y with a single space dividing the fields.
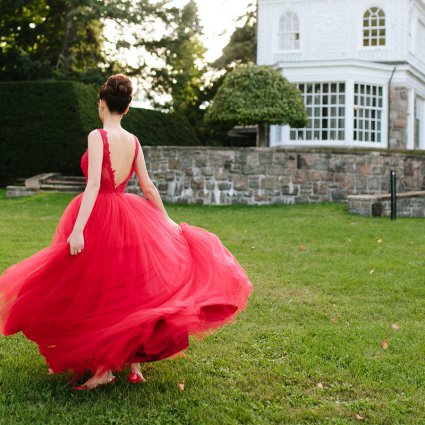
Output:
x=374 y=32
x=289 y=32
x=325 y=103
x=368 y=113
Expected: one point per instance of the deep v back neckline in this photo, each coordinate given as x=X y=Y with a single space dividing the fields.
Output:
x=112 y=171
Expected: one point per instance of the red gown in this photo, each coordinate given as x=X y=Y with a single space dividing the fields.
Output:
x=134 y=294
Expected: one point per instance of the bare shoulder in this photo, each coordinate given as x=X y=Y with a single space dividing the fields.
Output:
x=94 y=138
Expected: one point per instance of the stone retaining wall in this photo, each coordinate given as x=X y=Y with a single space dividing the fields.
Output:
x=409 y=204
x=221 y=176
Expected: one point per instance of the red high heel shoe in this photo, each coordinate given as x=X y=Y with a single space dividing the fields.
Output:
x=85 y=387
x=136 y=378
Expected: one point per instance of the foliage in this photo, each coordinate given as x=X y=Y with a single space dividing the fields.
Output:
x=306 y=351
x=63 y=39
x=182 y=53
x=242 y=46
x=44 y=126
x=155 y=128
x=241 y=49
x=258 y=95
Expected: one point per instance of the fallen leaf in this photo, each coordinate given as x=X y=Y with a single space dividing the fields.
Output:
x=180 y=386
x=372 y=271
x=395 y=327
x=335 y=319
x=358 y=417
x=384 y=344
x=320 y=386
x=303 y=248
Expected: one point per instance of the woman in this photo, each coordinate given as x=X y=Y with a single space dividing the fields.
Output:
x=121 y=283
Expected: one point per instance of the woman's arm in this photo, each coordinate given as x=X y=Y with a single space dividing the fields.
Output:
x=149 y=189
x=95 y=156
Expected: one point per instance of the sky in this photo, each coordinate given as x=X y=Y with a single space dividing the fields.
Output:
x=218 y=19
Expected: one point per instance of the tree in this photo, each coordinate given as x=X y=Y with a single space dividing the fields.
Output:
x=242 y=46
x=64 y=39
x=257 y=95
x=181 y=74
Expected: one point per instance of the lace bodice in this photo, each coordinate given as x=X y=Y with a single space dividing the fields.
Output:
x=107 y=179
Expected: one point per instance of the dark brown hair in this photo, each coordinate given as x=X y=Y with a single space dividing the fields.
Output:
x=116 y=92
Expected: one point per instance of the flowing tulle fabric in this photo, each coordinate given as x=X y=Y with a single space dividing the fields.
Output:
x=134 y=294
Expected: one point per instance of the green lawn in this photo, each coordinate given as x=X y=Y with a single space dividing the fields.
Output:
x=328 y=287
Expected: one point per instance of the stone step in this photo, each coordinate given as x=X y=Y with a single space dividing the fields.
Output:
x=63 y=182
x=62 y=187
x=66 y=179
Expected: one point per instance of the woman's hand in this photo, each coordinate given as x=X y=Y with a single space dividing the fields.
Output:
x=174 y=224
x=76 y=242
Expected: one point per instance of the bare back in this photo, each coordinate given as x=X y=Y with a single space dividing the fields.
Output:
x=121 y=150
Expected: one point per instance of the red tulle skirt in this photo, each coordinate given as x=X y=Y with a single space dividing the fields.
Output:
x=134 y=294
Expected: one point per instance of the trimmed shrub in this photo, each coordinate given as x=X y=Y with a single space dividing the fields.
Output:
x=44 y=126
x=155 y=128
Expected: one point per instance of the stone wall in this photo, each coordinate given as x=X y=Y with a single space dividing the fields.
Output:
x=222 y=176
x=409 y=204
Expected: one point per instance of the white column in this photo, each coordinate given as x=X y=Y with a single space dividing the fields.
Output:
x=385 y=137
x=349 y=111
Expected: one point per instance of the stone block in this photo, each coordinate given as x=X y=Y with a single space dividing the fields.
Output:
x=274 y=170
x=265 y=157
x=162 y=187
x=170 y=176
x=259 y=197
x=240 y=183
x=339 y=195
x=373 y=184
x=253 y=169
x=207 y=171
x=224 y=186
x=321 y=164
x=320 y=188
x=290 y=189
x=158 y=175
x=197 y=184
x=221 y=174
x=299 y=177
x=268 y=183
x=252 y=158
x=254 y=183
x=201 y=161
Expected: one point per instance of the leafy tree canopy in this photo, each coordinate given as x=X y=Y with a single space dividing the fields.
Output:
x=242 y=46
x=257 y=95
x=63 y=39
x=180 y=76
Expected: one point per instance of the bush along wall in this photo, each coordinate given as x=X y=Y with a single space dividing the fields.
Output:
x=44 y=127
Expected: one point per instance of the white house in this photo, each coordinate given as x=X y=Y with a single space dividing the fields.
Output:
x=359 y=64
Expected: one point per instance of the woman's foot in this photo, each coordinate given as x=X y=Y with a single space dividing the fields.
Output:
x=136 y=376
x=105 y=378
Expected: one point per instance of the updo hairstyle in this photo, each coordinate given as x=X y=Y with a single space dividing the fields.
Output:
x=117 y=93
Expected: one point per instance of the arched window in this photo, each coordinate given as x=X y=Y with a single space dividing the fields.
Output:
x=374 y=32
x=289 y=32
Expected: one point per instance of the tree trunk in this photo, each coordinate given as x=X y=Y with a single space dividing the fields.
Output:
x=262 y=135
